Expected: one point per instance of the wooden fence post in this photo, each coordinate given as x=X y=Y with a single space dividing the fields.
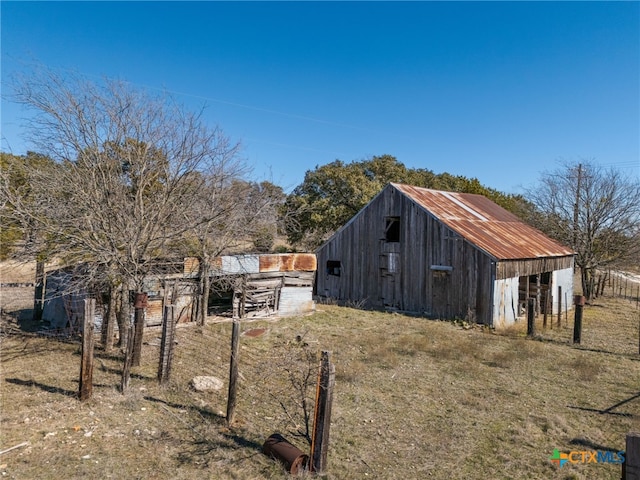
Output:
x=86 y=364
x=559 y=306
x=631 y=465
x=546 y=308
x=39 y=291
x=139 y=305
x=625 y=288
x=108 y=321
x=128 y=357
x=167 y=343
x=531 y=317
x=322 y=413
x=233 y=371
x=577 y=325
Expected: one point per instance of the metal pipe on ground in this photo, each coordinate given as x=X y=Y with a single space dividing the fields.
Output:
x=293 y=459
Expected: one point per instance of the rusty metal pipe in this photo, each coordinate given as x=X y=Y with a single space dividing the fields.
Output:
x=276 y=446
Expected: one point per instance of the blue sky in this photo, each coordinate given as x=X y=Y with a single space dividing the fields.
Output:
x=500 y=91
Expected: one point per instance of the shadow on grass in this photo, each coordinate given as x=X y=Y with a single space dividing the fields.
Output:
x=42 y=386
x=609 y=410
x=26 y=348
x=19 y=321
x=202 y=450
x=592 y=445
x=205 y=442
x=206 y=414
x=568 y=343
x=118 y=371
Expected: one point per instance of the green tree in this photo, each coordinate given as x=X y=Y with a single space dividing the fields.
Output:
x=333 y=193
x=18 y=230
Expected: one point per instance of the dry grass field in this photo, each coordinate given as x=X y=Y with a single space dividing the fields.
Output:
x=414 y=399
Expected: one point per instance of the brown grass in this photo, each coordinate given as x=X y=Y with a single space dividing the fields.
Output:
x=414 y=399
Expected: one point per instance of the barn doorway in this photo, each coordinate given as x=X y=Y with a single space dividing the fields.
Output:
x=537 y=286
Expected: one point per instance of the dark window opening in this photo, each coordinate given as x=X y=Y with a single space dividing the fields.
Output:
x=220 y=300
x=334 y=267
x=392 y=229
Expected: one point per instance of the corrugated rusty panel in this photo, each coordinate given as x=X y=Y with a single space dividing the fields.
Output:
x=270 y=263
x=485 y=224
x=153 y=312
x=191 y=265
x=288 y=262
x=305 y=262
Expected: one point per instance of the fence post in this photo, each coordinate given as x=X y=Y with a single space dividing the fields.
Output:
x=531 y=318
x=128 y=357
x=577 y=325
x=631 y=464
x=233 y=371
x=139 y=305
x=546 y=308
x=322 y=413
x=39 y=291
x=559 y=306
x=167 y=343
x=86 y=363
x=108 y=321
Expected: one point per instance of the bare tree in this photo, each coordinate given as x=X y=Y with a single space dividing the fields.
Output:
x=594 y=210
x=227 y=214
x=127 y=168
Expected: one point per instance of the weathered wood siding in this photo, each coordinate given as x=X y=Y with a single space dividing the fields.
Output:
x=411 y=274
x=432 y=270
x=532 y=266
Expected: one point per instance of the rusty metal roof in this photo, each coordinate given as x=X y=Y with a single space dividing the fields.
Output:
x=255 y=263
x=485 y=224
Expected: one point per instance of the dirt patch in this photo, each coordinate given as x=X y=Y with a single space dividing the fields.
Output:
x=254 y=332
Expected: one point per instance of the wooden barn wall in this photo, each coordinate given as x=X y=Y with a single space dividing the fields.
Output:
x=533 y=266
x=399 y=275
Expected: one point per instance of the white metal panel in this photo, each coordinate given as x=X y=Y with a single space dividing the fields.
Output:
x=505 y=302
x=563 y=278
x=295 y=301
x=238 y=264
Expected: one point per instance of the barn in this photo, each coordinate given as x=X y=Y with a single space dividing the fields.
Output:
x=444 y=255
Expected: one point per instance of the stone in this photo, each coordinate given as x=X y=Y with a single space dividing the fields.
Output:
x=206 y=384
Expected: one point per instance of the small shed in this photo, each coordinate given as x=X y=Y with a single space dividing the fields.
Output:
x=444 y=255
x=267 y=284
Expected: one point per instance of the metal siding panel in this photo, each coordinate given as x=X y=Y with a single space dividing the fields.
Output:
x=485 y=224
x=295 y=301
x=238 y=264
x=564 y=279
x=288 y=262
